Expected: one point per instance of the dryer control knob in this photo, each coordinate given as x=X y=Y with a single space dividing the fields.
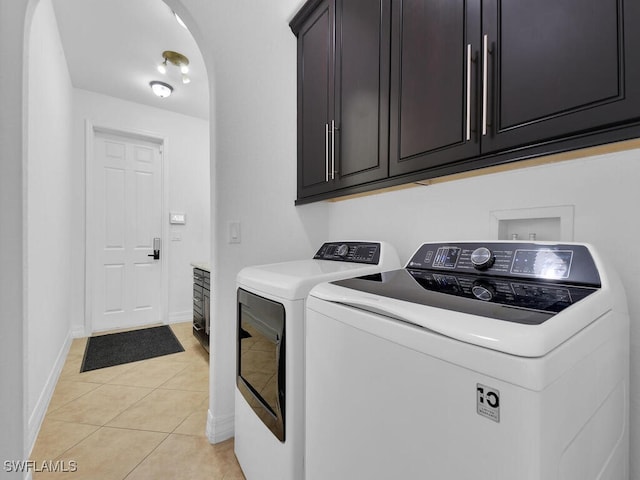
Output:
x=482 y=258
x=342 y=250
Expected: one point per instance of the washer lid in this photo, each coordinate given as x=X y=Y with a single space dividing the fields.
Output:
x=514 y=316
x=507 y=299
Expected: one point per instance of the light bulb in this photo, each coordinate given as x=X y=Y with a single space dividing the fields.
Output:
x=185 y=79
x=162 y=68
x=184 y=68
x=161 y=89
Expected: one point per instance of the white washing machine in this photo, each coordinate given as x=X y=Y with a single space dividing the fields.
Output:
x=483 y=361
x=269 y=402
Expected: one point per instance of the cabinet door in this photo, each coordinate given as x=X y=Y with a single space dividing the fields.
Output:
x=315 y=99
x=435 y=44
x=557 y=67
x=362 y=91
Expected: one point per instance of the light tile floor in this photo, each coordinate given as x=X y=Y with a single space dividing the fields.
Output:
x=141 y=420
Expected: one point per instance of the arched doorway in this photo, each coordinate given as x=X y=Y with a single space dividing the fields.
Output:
x=56 y=191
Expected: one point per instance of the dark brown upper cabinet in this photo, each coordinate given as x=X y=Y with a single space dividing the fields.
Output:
x=315 y=91
x=343 y=93
x=473 y=78
x=558 y=67
x=433 y=83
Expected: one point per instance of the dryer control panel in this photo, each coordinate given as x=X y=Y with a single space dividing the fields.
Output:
x=565 y=263
x=354 y=252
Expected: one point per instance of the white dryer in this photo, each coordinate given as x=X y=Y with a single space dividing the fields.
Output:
x=269 y=402
x=483 y=361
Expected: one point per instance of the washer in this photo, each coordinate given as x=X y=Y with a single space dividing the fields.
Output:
x=478 y=360
x=269 y=401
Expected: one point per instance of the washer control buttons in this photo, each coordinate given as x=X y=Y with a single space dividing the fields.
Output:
x=482 y=258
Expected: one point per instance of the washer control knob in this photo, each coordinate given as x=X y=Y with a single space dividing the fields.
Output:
x=482 y=258
x=483 y=291
x=342 y=250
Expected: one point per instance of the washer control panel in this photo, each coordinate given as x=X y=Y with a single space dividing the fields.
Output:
x=354 y=252
x=549 y=262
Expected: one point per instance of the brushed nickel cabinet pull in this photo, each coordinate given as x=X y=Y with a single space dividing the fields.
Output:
x=333 y=149
x=326 y=152
x=468 y=92
x=485 y=74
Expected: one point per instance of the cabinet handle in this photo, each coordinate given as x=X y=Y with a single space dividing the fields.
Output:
x=485 y=89
x=326 y=152
x=333 y=149
x=468 y=92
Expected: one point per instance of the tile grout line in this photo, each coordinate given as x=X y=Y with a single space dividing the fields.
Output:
x=61 y=455
x=147 y=455
x=73 y=400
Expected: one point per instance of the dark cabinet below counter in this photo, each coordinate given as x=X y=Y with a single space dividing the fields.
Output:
x=201 y=306
x=468 y=84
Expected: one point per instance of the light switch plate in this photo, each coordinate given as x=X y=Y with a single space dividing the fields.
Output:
x=177 y=218
x=234 y=232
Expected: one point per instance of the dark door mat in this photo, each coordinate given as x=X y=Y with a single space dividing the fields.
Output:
x=124 y=347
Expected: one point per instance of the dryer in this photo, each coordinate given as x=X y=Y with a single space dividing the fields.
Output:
x=478 y=360
x=269 y=400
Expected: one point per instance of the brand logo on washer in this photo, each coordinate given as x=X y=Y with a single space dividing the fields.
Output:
x=488 y=402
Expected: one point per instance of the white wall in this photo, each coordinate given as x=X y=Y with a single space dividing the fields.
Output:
x=49 y=221
x=186 y=157
x=12 y=230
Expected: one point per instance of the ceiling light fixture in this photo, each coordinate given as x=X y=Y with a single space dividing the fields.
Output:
x=161 y=89
x=176 y=59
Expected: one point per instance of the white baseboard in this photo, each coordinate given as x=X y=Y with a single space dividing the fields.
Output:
x=220 y=429
x=179 y=317
x=79 y=332
x=37 y=416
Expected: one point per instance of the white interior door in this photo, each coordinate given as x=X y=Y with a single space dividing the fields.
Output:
x=127 y=207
